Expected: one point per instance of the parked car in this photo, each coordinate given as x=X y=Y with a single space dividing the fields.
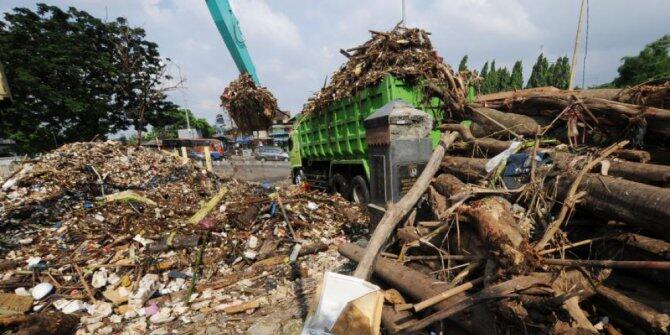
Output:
x=271 y=154
x=192 y=154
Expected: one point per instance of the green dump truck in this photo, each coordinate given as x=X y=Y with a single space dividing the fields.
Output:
x=329 y=147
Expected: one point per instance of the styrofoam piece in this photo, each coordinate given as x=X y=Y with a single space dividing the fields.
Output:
x=337 y=291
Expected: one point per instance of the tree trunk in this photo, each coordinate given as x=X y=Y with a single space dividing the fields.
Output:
x=639 y=314
x=640 y=205
x=606 y=93
x=469 y=142
x=487 y=121
x=653 y=174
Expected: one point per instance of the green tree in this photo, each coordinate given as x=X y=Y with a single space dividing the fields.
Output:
x=504 y=80
x=516 y=78
x=559 y=73
x=463 y=65
x=490 y=79
x=652 y=62
x=539 y=75
x=67 y=77
x=175 y=119
x=485 y=70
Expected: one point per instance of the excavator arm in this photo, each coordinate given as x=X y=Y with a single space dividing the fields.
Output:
x=230 y=31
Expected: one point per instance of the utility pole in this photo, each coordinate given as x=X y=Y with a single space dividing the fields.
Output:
x=402 y=20
x=576 y=49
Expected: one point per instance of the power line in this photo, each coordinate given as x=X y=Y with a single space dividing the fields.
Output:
x=586 y=47
x=576 y=49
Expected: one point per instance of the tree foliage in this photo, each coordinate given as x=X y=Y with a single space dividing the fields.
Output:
x=557 y=74
x=651 y=63
x=498 y=79
x=539 y=76
x=463 y=65
x=68 y=79
x=175 y=119
x=516 y=78
x=494 y=79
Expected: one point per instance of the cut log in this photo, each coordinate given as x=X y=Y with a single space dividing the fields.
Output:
x=497 y=227
x=469 y=142
x=487 y=121
x=653 y=174
x=392 y=318
x=653 y=246
x=419 y=286
x=633 y=155
x=638 y=204
x=395 y=212
x=641 y=315
x=469 y=170
x=649 y=94
x=449 y=185
x=606 y=93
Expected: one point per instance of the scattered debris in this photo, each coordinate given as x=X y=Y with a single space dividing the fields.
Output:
x=142 y=263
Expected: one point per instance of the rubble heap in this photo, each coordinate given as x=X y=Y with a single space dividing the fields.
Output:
x=106 y=238
x=48 y=188
x=251 y=107
x=406 y=53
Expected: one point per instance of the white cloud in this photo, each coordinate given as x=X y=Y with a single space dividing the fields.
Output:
x=262 y=25
x=504 y=18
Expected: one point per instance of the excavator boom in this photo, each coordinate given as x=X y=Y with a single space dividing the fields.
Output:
x=230 y=31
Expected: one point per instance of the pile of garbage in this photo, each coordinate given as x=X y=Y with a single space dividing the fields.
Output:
x=406 y=53
x=251 y=107
x=102 y=238
x=533 y=234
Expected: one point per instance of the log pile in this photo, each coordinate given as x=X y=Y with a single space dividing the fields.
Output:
x=571 y=238
x=251 y=107
x=406 y=53
x=593 y=117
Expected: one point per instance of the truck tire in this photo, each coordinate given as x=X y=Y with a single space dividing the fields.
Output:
x=339 y=184
x=360 y=192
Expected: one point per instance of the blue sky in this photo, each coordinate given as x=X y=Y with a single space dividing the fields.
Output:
x=295 y=43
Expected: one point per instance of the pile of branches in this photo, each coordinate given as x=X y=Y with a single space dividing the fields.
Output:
x=251 y=107
x=405 y=53
x=574 y=243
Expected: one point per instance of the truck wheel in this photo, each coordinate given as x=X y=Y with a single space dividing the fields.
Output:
x=360 y=192
x=339 y=184
x=298 y=176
